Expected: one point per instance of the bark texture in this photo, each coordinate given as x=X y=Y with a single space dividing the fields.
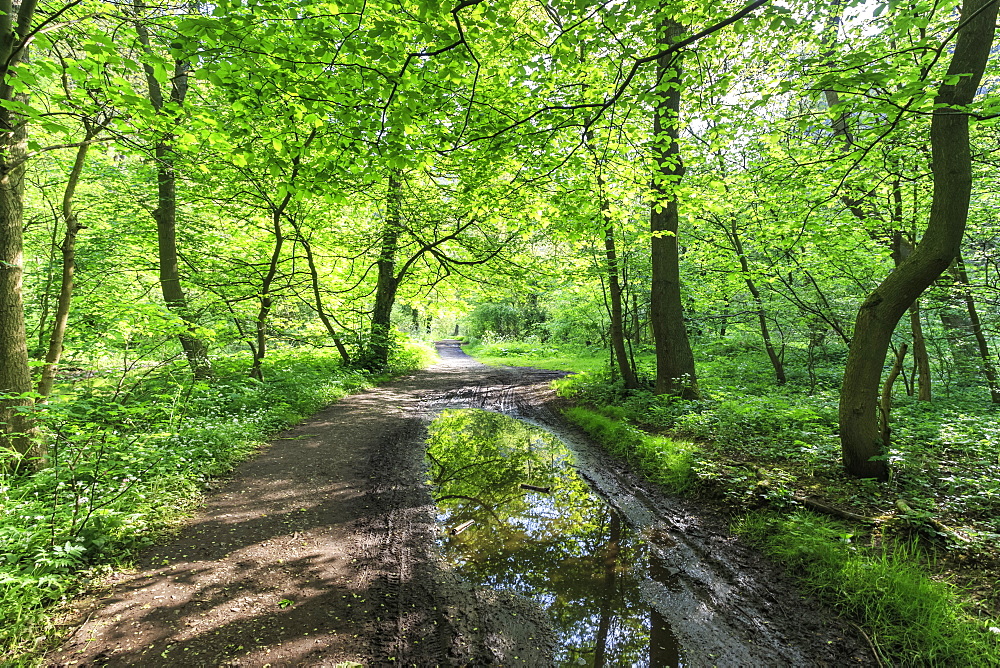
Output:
x=675 y=372
x=165 y=214
x=380 y=342
x=861 y=440
x=15 y=375
x=617 y=312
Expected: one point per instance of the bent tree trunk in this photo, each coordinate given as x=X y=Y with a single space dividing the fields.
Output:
x=68 y=268
x=318 y=297
x=861 y=441
x=675 y=372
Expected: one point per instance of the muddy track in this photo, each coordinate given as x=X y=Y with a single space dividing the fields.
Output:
x=321 y=550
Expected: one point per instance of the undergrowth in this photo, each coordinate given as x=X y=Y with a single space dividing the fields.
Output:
x=128 y=457
x=912 y=619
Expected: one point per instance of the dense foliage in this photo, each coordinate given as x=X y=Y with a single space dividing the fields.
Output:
x=774 y=222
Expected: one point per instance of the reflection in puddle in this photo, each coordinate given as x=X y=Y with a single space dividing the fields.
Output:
x=565 y=547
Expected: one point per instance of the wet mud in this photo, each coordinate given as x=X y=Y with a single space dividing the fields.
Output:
x=329 y=548
x=515 y=515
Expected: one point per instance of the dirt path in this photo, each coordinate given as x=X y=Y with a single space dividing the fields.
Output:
x=321 y=551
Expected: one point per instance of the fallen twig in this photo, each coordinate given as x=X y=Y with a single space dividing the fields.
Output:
x=905 y=508
x=812 y=504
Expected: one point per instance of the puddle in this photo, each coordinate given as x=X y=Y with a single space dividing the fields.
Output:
x=517 y=516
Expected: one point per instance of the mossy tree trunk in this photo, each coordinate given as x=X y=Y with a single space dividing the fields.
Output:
x=16 y=425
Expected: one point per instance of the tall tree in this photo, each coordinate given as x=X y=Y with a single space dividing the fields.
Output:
x=860 y=433
x=380 y=339
x=72 y=227
x=675 y=372
x=15 y=375
x=165 y=214
x=961 y=277
x=613 y=267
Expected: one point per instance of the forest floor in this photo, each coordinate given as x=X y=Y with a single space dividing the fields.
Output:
x=321 y=551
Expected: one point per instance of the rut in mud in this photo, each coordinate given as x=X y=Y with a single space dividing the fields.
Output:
x=322 y=550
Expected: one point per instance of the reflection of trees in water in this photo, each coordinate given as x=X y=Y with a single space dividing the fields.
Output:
x=566 y=549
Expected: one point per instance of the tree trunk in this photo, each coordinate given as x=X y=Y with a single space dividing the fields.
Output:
x=901 y=248
x=636 y=325
x=765 y=334
x=266 y=300
x=385 y=290
x=885 y=403
x=861 y=443
x=612 y=266
x=989 y=368
x=68 y=267
x=16 y=425
x=44 y=302
x=165 y=214
x=617 y=318
x=675 y=372
x=921 y=359
x=170 y=276
x=318 y=300
x=15 y=374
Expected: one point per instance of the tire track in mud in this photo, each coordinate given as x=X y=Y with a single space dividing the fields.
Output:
x=336 y=519
x=727 y=604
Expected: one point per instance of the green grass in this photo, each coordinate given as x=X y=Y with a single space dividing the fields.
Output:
x=911 y=618
x=664 y=460
x=127 y=466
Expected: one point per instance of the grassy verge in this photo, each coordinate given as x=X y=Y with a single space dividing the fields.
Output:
x=911 y=618
x=128 y=458
x=922 y=597
x=664 y=460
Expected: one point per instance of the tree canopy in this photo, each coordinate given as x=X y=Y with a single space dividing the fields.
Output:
x=180 y=178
